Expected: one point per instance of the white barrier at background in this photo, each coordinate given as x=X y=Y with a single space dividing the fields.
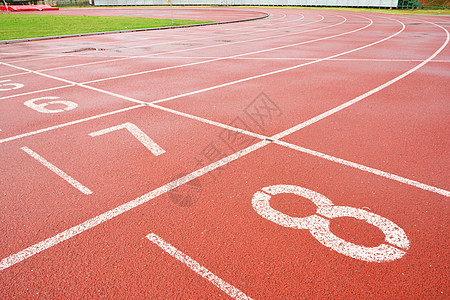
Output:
x=351 y=3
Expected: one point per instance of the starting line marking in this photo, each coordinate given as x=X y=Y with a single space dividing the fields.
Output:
x=73 y=182
x=231 y=290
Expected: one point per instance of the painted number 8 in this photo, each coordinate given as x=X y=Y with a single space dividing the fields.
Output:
x=319 y=224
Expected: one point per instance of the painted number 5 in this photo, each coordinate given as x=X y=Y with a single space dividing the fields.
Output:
x=396 y=245
x=41 y=107
x=6 y=85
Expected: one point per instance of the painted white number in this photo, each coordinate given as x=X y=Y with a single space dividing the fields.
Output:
x=137 y=133
x=9 y=86
x=69 y=105
x=395 y=237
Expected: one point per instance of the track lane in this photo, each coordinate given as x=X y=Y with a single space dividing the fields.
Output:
x=221 y=220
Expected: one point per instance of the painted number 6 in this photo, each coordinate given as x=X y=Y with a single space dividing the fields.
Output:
x=41 y=107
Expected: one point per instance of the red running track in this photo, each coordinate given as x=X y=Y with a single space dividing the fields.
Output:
x=299 y=156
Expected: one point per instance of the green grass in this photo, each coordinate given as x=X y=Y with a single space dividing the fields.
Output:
x=20 y=26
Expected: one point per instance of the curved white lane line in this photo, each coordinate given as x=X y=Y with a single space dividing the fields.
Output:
x=101 y=115
x=145 y=72
x=47 y=56
x=119 y=42
x=365 y=95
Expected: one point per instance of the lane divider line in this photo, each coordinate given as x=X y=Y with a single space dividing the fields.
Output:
x=398 y=178
x=38 y=91
x=93 y=222
x=265 y=15
x=229 y=289
x=12 y=138
x=183 y=33
x=69 y=179
x=374 y=171
x=152 y=45
x=189 y=49
x=365 y=95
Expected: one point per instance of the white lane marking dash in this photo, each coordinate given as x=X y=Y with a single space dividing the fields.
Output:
x=231 y=290
x=93 y=222
x=58 y=171
x=378 y=172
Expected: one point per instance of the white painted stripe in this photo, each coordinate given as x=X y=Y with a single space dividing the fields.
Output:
x=229 y=289
x=341 y=161
x=189 y=49
x=365 y=95
x=310 y=58
x=227 y=57
x=38 y=91
x=70 y=180
x=210 y=122
x=135 y=34
x=285 y=69
x=28 y=252
x=15 y=74
x=145 y=45
x=71 y=232
x=414 y=183
x=12 y=138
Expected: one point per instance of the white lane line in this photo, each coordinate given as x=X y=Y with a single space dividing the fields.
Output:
x=15 y=74
x=144 y=72
x=187 y=94
x=387 y=175
x=225 y=57
x=146 y=103
x=310 y=58
x=12 y=138
x=182 y=50
x=398 y=178
x=73 y=231
x=70 y=180
x=38 y=91
x=229 y=289
x=147 y=45
x=210 y=122
x=282 y=70
x=363 y=96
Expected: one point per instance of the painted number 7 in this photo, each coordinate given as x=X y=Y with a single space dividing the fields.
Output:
x=137 y=133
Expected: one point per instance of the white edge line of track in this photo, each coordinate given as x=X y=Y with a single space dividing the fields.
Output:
x=365 y=95
x=227 y=288
x=182 y=50
x=83 y=84
x=69 y=179
x=140 y=40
